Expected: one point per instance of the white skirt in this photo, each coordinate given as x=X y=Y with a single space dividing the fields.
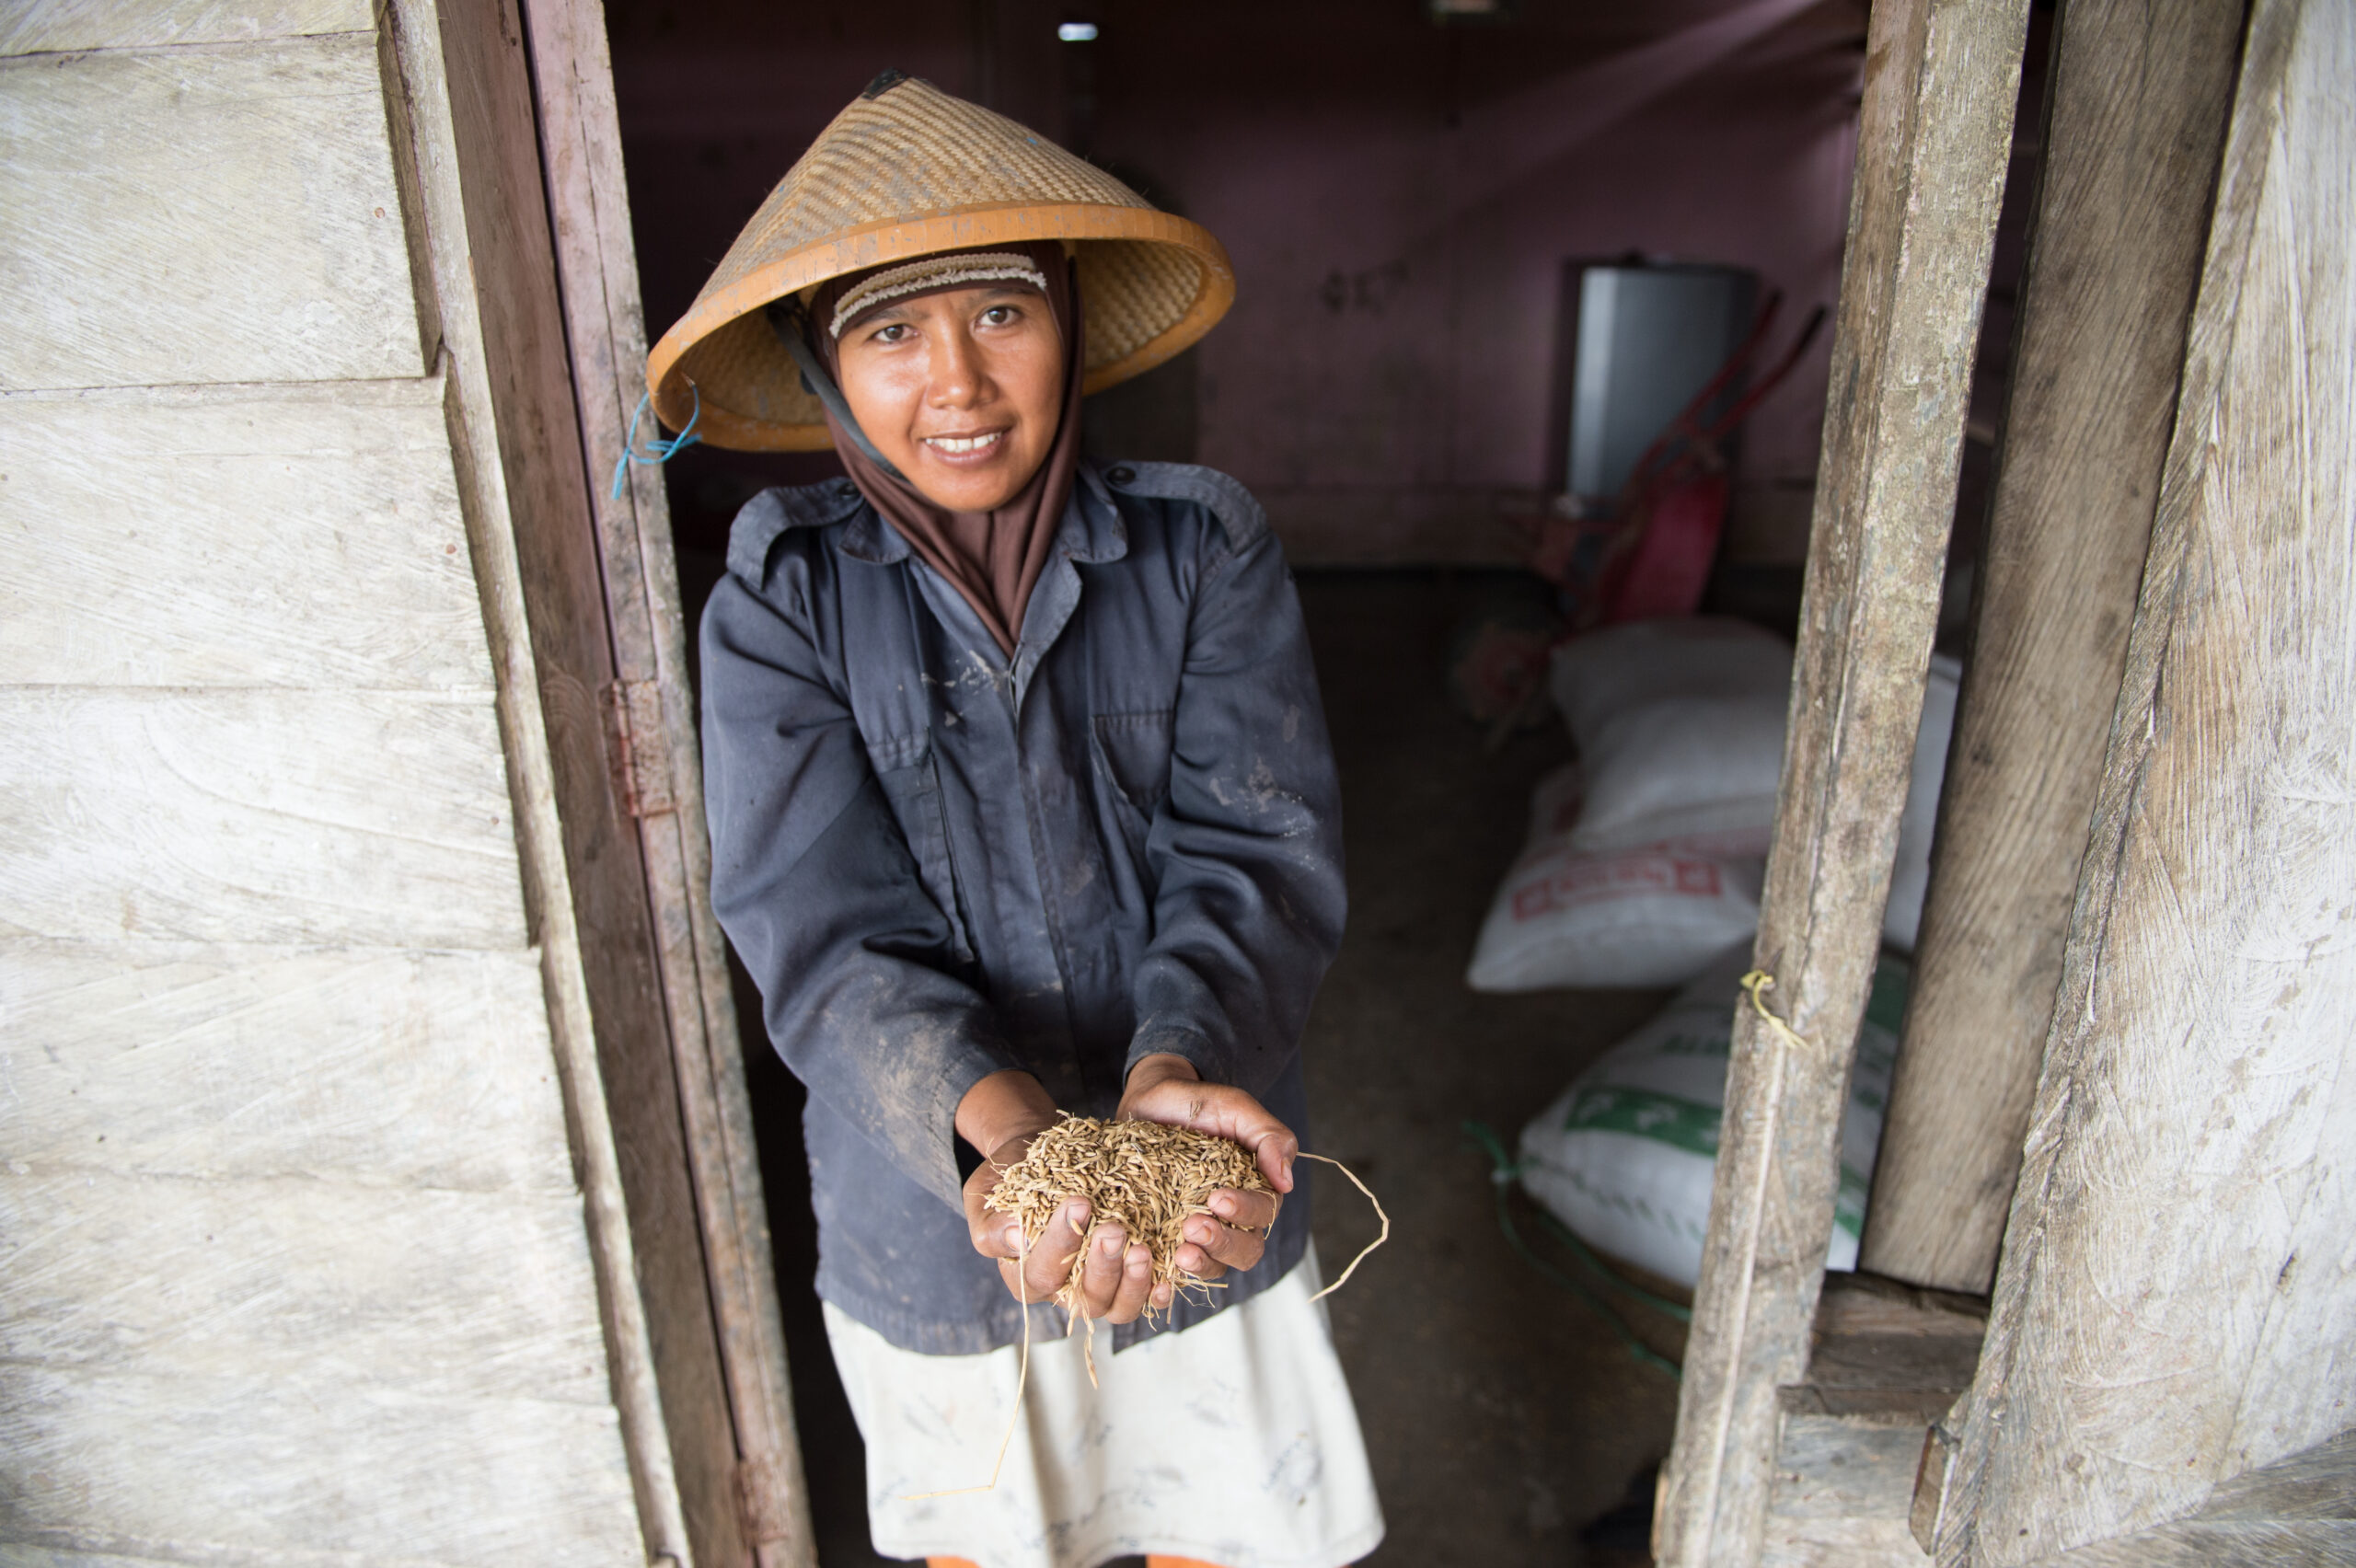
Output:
x=1233 y=1443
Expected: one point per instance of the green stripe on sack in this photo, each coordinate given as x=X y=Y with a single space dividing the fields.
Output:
x=1646 y=1113
x=1886 y=1003
x=1849 y=1204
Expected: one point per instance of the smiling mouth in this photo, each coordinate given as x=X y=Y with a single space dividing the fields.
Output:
x=961 y=445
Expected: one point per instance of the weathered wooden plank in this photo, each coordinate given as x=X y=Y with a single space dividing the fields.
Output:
x=399 y=1292
x=1834 y=1467
x=517 y=433
x=2314 y=1484
x=2293 y=1544
x=1935 y=139
x=2136 y=116
x=251 y=537
x=2298 y=1512
x=2173 y=1304
x=410 y=1069
x=1883 y=1351
x=225 y=213
x=272 y=816
x=1839 y=1543
x=54 y=1554
x=245 y=1468
x=597 y=271
x=1888 y=1361
x=44 y=27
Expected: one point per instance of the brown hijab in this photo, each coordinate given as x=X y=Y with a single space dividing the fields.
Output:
x=993 y=558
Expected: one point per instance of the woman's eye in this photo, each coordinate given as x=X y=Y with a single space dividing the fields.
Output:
x=891 y=333
x=998 y=315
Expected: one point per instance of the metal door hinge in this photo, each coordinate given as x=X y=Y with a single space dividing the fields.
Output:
x=640 y=748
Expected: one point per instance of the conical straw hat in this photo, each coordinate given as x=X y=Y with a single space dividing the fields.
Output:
x=907 y=171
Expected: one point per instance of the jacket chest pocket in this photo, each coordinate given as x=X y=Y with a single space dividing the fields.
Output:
x=1133 y=757
x=903 y=767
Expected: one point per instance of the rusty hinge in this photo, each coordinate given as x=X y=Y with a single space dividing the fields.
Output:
x=640 y=747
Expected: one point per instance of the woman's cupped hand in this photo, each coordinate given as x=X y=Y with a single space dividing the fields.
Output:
x=1002 y=1113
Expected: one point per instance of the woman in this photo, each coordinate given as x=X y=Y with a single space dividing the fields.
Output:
x=1021 y=800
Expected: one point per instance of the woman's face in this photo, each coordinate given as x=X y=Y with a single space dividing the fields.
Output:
x=960 y=389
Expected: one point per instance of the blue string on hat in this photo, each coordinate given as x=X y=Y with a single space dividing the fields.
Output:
x=660 y=449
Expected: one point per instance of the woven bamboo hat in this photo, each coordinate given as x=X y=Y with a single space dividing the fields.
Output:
x=907 y=171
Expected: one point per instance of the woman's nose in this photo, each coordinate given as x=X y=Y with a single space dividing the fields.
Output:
x=958 y=378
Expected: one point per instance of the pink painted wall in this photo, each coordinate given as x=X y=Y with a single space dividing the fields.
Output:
x=1398 y=198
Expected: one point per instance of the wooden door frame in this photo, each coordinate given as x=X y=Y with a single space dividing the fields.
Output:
x=505 y=118
x=649 y=709
x=655 y=755
x=652 y=726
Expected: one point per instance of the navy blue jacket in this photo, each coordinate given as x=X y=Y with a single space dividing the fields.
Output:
x=938 y=863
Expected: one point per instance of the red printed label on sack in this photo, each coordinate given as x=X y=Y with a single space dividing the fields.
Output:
x=1576 y=882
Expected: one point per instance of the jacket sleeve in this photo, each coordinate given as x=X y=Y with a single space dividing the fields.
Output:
x=1247 y=843
x=815 y=883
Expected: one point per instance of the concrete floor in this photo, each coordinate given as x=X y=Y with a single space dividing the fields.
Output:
x=1502 y=1415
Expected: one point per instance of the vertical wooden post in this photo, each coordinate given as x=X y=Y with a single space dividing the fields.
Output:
x=1933 y=143
x=2135 y=118
x=606 y=329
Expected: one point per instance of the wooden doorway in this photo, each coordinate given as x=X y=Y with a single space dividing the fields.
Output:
x=707 y=1409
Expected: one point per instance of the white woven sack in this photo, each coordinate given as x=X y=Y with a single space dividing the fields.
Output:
x=1679 y=723
x=1625 y=1155
x=1637 y=917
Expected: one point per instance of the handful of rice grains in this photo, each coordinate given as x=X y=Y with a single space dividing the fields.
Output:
x=1145 y=1177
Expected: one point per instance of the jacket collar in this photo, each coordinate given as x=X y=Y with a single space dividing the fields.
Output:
x=1092 y=530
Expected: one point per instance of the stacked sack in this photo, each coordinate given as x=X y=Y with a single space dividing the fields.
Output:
x=1643 y=859
x=1626 y=1154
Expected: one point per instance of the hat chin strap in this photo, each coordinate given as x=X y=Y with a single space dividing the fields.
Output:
x=786 y=318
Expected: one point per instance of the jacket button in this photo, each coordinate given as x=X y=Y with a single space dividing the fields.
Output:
x=1122 y=475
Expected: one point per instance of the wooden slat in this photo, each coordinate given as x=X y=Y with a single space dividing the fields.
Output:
x=1840 y=1543
x=1837 y=1467
x=48 y=1554
x=1935 y=139
x=2137 y=114
x=236 y=537
x=2301 y=1544
x=233 y=217
x=2173 y=1303
x=1887 y=1362
x=2297 y=1513
x=2314 y=1484
x=272 y=816
x=582 y=159
x=257 y=1469
x=428 y=1069
x=437 y=1295
x=35 y=27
